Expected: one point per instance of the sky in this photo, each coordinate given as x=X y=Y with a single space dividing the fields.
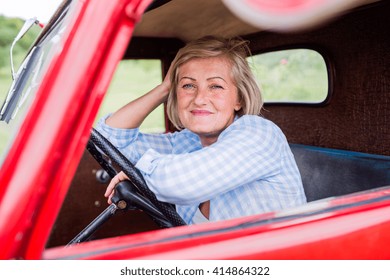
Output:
x=42 y=9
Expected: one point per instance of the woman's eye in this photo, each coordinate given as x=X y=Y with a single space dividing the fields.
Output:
x=216 y=87
x=188 y=86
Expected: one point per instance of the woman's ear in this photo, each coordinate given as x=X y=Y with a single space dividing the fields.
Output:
x=238 y=105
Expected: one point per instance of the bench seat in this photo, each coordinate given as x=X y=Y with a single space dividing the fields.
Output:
x=330 y=172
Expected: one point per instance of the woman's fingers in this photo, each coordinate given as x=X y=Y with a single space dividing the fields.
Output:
x=121 y=176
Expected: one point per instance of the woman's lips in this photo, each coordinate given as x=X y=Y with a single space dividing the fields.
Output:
x=200 y=113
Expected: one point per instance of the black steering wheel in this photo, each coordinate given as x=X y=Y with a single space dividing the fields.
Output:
x=130 y=194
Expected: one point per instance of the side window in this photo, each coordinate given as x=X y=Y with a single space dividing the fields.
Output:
x=132 y=79
x=291 y=76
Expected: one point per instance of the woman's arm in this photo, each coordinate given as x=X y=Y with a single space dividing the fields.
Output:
x=134 y=113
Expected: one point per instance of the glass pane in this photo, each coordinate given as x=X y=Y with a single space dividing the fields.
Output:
x=132 y=79
x=296 y=76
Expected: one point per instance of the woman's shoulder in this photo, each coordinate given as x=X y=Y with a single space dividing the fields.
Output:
x=254 y=121
x=256 y=126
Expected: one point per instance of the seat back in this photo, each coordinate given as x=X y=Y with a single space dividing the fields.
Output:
x=329 y=172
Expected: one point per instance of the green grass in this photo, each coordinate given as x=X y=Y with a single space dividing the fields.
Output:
x=5 y=82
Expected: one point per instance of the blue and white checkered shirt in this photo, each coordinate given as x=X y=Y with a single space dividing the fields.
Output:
x=249 y=170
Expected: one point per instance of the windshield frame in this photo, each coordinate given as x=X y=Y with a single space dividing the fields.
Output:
x=52 y=137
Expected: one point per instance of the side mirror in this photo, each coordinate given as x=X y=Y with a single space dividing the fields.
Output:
x=26 y=26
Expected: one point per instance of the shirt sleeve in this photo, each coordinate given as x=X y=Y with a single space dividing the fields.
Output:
x=132 y=143
x=248 y=150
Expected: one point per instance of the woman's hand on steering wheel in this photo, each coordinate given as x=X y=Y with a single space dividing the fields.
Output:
x=121 y=176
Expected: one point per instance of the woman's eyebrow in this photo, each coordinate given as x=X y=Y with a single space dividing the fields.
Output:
x=216 y=77
x=185 y=77
x=208 y=79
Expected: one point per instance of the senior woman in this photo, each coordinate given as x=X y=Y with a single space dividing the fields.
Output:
x=225 y=160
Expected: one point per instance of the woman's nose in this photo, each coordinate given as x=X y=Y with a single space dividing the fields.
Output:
x=200 y=97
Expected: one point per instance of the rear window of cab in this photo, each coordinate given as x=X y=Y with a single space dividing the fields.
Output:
x=291 y=76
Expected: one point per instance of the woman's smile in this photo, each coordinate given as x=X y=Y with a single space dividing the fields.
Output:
x=201 y=113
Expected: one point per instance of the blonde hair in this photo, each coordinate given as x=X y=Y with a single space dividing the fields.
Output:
x=235 y=51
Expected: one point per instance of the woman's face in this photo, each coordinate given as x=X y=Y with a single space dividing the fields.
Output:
x=207 y=97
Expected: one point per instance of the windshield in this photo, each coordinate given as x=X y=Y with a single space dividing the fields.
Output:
x=27 y=80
